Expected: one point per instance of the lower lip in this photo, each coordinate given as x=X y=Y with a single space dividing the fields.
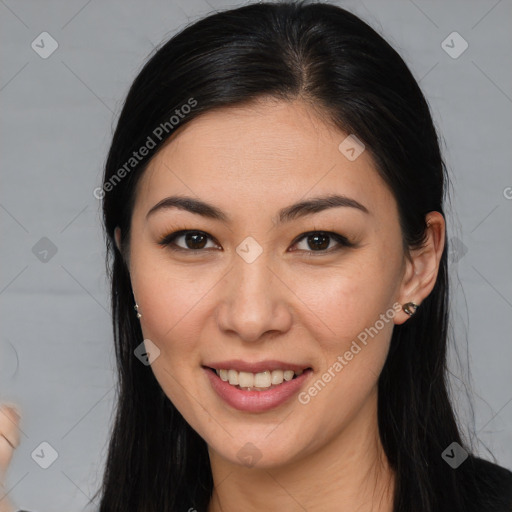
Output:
x=256 y=401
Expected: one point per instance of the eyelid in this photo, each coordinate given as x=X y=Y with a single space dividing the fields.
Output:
x=168 y=241
x=340 y=239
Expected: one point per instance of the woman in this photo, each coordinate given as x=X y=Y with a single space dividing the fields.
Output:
x=273 y=208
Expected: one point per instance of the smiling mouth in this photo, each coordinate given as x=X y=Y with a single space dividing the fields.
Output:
x=261 y=381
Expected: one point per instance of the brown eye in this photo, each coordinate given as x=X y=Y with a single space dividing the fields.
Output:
x=320 y=241
x=192 y=240
x=316 y=241
x=195 y=240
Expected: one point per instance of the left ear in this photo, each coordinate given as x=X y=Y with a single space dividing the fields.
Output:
x=422 y=265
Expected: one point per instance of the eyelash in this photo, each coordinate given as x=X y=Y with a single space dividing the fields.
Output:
x=168 y=241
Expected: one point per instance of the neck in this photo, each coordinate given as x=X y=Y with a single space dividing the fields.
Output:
x=350 y=472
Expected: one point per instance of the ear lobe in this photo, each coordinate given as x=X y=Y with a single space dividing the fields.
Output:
x=422 y=265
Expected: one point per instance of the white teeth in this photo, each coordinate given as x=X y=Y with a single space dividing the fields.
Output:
x=233 y=377
x=245 y=379
x=288 y=374
x=261 y=380
x=277 y=376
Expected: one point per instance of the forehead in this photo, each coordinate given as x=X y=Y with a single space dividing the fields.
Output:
x=261 y=152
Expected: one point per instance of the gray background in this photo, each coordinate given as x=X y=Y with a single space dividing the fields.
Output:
x=56 y=349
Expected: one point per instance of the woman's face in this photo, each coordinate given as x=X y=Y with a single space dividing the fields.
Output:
x=256 y=290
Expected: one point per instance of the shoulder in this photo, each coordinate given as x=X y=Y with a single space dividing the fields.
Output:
x=488 y=486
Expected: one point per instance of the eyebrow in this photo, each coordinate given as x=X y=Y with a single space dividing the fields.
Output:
x=287 y=214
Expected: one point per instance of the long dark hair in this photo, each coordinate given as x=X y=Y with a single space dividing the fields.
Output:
x=330 y=58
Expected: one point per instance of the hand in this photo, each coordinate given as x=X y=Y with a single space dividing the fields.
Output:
x=9 y=441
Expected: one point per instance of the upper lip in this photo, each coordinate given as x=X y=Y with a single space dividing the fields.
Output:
x=257 y=367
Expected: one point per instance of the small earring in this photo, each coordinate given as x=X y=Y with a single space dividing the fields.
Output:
x=410 y=308
x=136 y=307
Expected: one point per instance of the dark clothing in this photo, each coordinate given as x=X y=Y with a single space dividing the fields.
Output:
x=493 y=489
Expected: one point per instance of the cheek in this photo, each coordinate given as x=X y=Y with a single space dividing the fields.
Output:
x=170 y=305
x=352 y=326
x=349 y=312
x=346 y=299
x=169 y=296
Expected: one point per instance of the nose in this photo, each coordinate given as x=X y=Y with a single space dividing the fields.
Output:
x=255 y=301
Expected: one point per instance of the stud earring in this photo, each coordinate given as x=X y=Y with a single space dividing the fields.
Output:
x=136 y=307
x=410 y=308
